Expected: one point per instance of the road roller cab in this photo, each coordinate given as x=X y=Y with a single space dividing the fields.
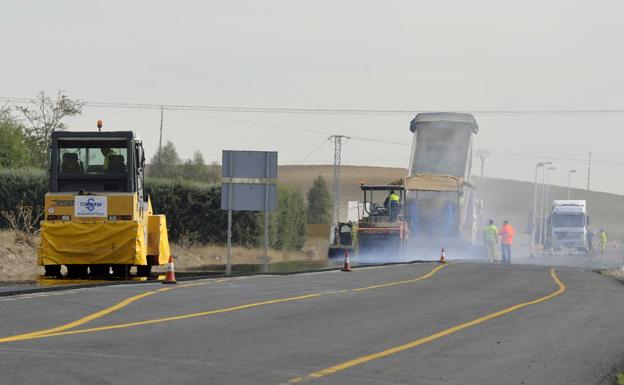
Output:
x=97 y=216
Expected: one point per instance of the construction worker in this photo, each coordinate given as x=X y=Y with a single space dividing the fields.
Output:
x=392 y=197
x=590 y=242
x=490 y=239
x=107 y=152
x=507 y=233
x=391 y=203
x=603 y=242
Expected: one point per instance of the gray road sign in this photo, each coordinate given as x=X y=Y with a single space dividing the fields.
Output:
x=250 y=197
x=248 y=182
x=249 y=164
x=251 y=177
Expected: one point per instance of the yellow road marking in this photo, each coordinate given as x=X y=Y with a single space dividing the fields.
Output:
x=63 y=330
x=432 y=272
x=106 y=311
x=160 y=320
x=397 y=349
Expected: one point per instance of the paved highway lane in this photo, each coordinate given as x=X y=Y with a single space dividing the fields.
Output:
x=463 y=323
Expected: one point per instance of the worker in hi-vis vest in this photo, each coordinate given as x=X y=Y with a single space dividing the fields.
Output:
x=507 y=232
x=392 y=203
x=603 y=242
x=490 y=239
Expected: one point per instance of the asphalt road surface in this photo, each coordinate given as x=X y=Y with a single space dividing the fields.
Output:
x=461 y=323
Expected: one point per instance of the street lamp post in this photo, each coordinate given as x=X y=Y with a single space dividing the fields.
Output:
x=542 y=201
x=548 y=170
x=534 y=227
x=570 y=173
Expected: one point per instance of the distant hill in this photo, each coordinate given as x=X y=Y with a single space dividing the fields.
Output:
x=503 y=199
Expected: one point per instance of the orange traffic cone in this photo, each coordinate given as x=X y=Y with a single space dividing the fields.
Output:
x=170 y=277
x=442 y=257
x=347 y=263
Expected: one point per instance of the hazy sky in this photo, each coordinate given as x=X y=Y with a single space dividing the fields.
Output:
x=413 y=55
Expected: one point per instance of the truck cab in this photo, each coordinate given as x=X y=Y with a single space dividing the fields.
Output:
x=97 y=162
x=568 y=225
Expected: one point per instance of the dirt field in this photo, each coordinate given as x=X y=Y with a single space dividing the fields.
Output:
x=17 y=258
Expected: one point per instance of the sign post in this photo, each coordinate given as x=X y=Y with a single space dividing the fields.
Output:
x=228 y=259
x=248 y=183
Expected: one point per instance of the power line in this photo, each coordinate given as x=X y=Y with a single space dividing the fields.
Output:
x=313 y=151
x=331 y=111
x=360 y=138
x=502 y=155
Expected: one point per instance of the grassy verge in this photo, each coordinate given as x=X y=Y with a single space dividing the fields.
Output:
x=18 y=257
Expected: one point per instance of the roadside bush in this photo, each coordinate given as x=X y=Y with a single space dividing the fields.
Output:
x=194 y=213
x=21 y=187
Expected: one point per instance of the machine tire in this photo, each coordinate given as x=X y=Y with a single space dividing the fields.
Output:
x=100 y=271
x=52 y=271
x=144 y=270
x=121 y=271
x=77 y=271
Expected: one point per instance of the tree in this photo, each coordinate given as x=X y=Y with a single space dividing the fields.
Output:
x=14 y=152
x=166 y=164
x=287 y=224
x=319 y=202
x=45 y=116
x=196 y=169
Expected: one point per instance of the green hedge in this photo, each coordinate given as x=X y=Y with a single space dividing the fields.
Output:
x=193 y=210
x=22 y=185
x=194 y=213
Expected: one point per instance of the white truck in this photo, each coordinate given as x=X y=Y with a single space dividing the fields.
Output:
x=568 y=225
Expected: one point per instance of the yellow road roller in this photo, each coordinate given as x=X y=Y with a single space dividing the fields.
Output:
x=98 y=221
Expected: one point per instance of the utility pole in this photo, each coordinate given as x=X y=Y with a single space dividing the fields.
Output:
x=483 y=154
x=336 y=194
x=160 y=140
x=589 y=170
x=570 y=173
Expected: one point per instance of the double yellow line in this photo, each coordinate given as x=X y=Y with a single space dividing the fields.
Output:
x=96 y=315
x=63 y=330
x=410 y=345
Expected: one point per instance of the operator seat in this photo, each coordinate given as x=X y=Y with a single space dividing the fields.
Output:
x=71 y=164
x=116 y=164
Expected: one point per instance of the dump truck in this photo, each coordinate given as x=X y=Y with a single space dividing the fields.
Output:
x=441 y=206
x=97 y=217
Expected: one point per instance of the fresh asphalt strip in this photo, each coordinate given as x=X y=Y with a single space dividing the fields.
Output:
x=181 y=276
x=64 y=329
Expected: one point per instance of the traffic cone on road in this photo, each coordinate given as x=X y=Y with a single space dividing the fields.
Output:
x=442 y=257
x=347 y=263
x=170 y=277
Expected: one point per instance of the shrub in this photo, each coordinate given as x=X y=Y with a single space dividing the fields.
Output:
x=21 y=187
x=194 y=212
